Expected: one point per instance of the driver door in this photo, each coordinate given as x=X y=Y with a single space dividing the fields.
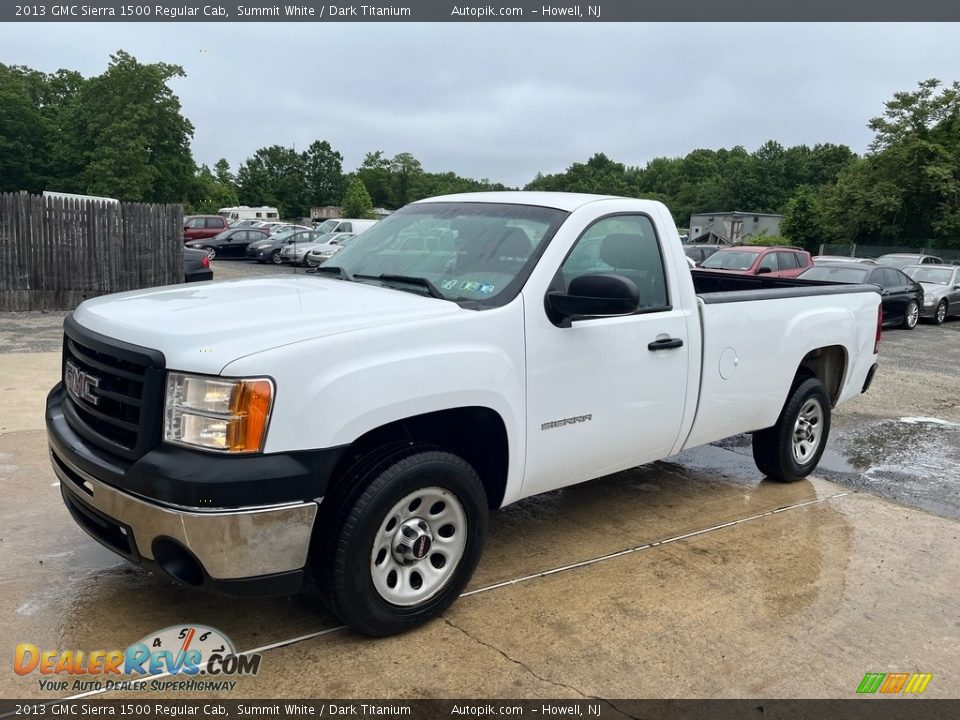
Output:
x=601 y=394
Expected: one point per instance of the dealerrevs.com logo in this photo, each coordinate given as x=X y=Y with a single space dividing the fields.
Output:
x=167 y=660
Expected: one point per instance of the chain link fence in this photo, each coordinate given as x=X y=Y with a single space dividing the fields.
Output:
x=948 y=255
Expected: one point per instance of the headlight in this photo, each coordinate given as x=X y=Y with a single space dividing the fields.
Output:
x=928 y=299
x=217 y=413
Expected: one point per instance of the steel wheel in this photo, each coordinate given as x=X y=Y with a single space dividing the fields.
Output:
x=789 y=450
x=941 y=312
x=807 y=431
x=418 y=547
x=913 y=314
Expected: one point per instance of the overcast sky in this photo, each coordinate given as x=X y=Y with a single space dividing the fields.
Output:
x=504 y=101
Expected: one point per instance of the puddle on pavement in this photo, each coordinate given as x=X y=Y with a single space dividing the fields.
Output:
x=913 y=460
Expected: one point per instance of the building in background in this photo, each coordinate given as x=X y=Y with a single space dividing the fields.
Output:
x=732 y=228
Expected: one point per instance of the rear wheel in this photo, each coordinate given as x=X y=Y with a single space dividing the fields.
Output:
x=941 y=314
x=912 y=315
x=791 y=449
x=401 y=541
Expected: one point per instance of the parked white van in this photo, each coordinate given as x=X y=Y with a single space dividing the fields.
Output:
x=345 y=225
x=244 y=212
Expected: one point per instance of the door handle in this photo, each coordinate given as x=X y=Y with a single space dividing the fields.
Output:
x=665 y=344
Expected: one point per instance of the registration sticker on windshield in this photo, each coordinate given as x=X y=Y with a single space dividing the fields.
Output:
x=470 y=285
x=449 y=284
x=487 y=288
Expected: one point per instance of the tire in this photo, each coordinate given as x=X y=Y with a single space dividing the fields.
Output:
x=940 y=316
x=911 y=316
x=777 y=453
x=401 y=541
x=275 y=258
x=211 y=252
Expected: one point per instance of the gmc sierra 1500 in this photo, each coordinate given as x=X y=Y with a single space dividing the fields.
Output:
x=464 y=353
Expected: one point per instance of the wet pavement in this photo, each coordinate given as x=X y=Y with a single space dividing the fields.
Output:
x=688 y=578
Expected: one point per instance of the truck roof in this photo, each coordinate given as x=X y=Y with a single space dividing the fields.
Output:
x=558 y=200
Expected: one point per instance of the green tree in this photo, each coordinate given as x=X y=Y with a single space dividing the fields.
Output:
x=275 y=176
x=323 y=169
x=803 y=220
x=127 y=134
x=32 y=115
x=210 y=193
x=376 y=174
x=406 y=172
x=906 y=191
x=221 y=169
x=356 y=203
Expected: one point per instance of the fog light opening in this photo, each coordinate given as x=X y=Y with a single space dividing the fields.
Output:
x=177 y=562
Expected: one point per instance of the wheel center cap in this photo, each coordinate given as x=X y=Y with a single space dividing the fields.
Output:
x=412 y=541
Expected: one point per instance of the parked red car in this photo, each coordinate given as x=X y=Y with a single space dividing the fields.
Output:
x=200 y=227
x=758 y=260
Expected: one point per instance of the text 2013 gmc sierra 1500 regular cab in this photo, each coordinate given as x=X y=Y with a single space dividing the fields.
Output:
x=464 y=353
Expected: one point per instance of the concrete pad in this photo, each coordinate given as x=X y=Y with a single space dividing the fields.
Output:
x=25 y=380
x=794 y=603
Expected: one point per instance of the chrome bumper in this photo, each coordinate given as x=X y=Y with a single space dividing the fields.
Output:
x=239 y=543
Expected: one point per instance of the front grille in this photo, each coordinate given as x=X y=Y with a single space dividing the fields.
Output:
x=119 y=410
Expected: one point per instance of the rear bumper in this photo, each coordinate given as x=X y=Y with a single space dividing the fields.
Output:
x=198 y=276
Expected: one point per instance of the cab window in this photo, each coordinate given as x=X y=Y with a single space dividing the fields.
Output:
x=623 y=245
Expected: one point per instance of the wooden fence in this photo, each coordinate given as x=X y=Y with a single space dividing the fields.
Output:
x=57 y=252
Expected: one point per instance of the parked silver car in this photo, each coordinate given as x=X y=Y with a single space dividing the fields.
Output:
x=902 y=260
x=297 y=252
x=941 y=290
x=321 y=253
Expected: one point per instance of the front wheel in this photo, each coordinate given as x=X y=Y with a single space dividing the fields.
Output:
x=402 y=541
x=941 y=314
x=791 y=449
x=211 y=252
x=913 y=314
x=275 y=258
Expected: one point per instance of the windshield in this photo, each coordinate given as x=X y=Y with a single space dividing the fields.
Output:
x=851 y=274
x=730 y=260
x=327 y=226
x=927 y=274
x=468 y=251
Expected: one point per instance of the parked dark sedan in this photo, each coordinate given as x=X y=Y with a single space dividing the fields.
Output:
x=196 y=265
x=900 y=296
x=230 y=243
x=268 y=250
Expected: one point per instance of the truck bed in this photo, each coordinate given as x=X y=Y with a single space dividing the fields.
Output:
x=720 y=287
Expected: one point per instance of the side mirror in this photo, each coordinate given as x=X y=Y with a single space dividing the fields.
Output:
x=763 y=270
x=594 y=295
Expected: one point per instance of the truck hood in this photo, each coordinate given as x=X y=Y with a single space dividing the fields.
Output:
x=202 y=327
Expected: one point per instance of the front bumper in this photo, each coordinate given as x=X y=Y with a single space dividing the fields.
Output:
x=929 y=312
x=235 y=525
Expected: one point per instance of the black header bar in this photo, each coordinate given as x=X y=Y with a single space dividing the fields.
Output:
x=471 y=11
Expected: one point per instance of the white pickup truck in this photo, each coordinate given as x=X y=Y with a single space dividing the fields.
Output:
x=358 y=423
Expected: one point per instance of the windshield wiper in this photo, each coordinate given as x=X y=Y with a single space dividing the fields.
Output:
x=421 y=282
x=332 y=270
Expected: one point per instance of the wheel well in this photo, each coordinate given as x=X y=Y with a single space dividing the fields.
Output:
x=477 y=434
x=828 y=365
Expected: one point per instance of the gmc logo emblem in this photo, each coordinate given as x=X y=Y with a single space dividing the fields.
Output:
x=79 y=383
